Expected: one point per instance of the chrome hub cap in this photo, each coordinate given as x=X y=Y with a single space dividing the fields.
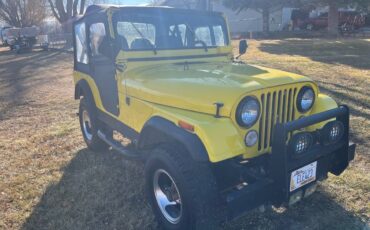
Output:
x=86 y=125
x=167 y=196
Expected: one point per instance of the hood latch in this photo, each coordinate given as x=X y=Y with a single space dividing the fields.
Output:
x=218 y=105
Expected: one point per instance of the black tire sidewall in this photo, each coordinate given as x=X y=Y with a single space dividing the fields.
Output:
x=85 y=107
x=95 y=143
x=185 y=219
x=193 y=211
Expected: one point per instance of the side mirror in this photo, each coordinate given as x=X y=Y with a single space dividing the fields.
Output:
x=243 y=45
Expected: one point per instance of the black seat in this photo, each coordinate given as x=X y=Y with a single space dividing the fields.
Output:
x=121 y=42
x=169 y=42
x=141 y=44
x=104 y=48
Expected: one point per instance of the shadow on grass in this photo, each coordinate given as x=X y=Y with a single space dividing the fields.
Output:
x=359 y=107
x=317 y=212
x=354 y=102
x=21 y=73
x=105 y=191
x=352 y=53
x=96 y=191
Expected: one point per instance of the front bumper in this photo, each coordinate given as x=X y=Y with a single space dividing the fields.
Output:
x=274 y=188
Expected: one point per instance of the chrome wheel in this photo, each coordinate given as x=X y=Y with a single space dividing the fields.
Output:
x=167 y=196
x=86 y=125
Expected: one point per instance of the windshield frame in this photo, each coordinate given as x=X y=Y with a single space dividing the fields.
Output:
x=124 y=11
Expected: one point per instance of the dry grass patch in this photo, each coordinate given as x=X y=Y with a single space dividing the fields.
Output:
x=49 y=180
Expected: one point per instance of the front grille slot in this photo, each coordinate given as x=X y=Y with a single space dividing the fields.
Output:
x=277 y=106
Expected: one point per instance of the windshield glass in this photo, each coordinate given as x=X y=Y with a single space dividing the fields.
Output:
x=169 y=29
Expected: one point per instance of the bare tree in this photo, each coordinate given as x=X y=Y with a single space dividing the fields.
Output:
x=204 y=4
x=155 y=2
x=22 y=13
x=65 y=10
x=187 y=4
x=198 y=4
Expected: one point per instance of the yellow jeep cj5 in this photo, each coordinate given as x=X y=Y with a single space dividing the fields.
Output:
x=219 y=137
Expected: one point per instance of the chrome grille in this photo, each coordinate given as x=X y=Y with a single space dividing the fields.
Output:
x=278 y=106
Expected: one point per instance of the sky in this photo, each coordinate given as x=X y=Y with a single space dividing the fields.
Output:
x=118 y=2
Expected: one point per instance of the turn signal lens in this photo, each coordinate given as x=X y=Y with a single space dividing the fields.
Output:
x=251 y=138
x=186 y=126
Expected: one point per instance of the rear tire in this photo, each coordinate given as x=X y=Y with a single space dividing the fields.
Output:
x=182 y=192
x=90 y=125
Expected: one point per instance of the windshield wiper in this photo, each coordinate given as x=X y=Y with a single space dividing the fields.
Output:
x=196 y=38
x=143 y=37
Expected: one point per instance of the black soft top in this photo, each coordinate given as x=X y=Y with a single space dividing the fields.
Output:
x=92 y=9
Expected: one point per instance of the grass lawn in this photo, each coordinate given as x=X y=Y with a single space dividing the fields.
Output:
x=49 y=180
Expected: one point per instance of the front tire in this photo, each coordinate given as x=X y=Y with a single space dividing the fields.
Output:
x=182 y=192
x=90 y=125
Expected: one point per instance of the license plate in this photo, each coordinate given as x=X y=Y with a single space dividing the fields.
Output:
x=303 y=176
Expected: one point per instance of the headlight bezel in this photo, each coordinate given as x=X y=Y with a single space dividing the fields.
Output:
x=239 y=111
x=301 y=92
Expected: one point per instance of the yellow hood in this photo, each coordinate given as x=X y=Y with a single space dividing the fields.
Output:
x=197 y=86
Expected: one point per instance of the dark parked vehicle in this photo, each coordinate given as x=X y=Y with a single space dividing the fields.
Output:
x=24 y=39
x=348 y=20
x=2 y=35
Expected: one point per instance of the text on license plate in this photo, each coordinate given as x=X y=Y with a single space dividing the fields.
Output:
x=303 y=176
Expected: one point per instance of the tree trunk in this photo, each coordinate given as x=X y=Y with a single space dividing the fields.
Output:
x=333 y=18
x=75 y=12
x=61 y=11
x=67 y=27
x=82 y=6
x=266 y=20
x=69 y=7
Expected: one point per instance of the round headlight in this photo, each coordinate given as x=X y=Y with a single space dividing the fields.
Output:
x=248 y=112
x=306 y=99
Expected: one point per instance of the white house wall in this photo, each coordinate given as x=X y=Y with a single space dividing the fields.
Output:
x=243 y=22
x=248 y=20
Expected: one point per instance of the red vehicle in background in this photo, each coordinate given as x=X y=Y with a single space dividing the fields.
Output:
x=348 y=20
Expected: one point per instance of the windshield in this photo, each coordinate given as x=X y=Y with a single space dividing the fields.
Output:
x=169 y=29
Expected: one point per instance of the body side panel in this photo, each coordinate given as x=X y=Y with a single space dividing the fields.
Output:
x=222 y=137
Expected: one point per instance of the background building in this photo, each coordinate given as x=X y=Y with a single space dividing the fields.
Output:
x=240 y=23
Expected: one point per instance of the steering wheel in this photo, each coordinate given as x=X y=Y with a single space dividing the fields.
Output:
x=202 y=43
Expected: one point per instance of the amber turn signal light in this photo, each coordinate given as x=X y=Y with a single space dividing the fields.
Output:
x=186 y=126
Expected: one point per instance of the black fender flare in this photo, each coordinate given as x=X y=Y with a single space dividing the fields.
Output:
x=159 y=130
x=82 y=88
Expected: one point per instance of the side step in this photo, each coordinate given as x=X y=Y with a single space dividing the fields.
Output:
x=131 y=154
